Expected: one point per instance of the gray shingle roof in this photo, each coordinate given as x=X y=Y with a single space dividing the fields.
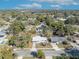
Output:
x=57 y=39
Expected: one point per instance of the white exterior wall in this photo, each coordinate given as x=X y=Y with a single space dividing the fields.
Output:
x=39 y=39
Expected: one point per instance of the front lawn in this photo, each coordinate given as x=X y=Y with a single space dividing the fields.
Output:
x=40 y=45
x=60 y=45
x=29 y=58
x=23 y=41
x=32 y=58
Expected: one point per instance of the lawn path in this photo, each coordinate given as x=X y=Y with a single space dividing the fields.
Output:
x=48 y=57
x=19 y=57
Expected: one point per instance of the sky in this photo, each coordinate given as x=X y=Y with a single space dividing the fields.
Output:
x=40 y=4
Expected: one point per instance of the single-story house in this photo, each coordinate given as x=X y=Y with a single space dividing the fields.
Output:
x=40 y=27
x=2 y=37
x=2 y=34
x=62 y=19
x=77 y=41
x=31 y=21
x=57 y=39
x=76 y=34
x=39 y=39
x=73 y=52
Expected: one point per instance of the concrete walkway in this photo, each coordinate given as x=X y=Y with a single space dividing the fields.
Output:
x=48 y=57
x=20 y=57
x=34 y=45
x=55 y=47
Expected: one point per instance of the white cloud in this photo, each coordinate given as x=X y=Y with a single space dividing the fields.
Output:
x=75 y=3
x=43 y=0
x=29 y=6
x=61 y=2
x=17 y=8
x=55 y=6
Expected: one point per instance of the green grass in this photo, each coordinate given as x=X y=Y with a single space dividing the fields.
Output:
x=32 y=58
x=29 y=58
x=41 y=46
x=60 y=45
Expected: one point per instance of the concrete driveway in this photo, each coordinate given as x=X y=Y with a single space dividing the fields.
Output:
x=23 y=52
x=50 y=52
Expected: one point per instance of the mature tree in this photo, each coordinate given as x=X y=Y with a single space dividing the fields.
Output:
x=48 y=21
x=37 y=22
x=47 y=32
x=20 y=41
x=6 y=52
x=12 y=41
x=40 y=18
x=69 y=29
x=73 y=20
x=58 y=27
x=21 y=17
x=16 y=27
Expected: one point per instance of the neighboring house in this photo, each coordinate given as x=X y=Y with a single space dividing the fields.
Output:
x=31 y=20
x=39 y=39
x=57 y=39
x=72 y=52
x=3 y=28
x=70 y=16
x=2 y=34
x=77 y=41
x=40 y=27
x=2 y=37
x=76 y=34
x=62 y=19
